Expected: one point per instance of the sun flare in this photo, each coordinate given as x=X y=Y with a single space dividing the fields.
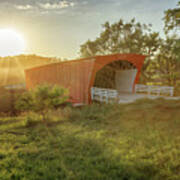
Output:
x=11 y=43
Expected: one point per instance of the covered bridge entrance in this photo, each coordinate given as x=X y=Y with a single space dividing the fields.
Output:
x=79 y=76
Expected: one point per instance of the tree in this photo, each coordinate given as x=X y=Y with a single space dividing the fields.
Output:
x=172 y=22
x=172 y=18
x=121 y=37
x=42 y=98
x=165 y=68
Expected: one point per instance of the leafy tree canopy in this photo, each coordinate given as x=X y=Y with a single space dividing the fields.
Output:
x=165 y=68
x=172 y=18
x=121 y=37
x=172 y=22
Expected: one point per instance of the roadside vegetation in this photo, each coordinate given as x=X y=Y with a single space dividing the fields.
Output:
x=131 y=141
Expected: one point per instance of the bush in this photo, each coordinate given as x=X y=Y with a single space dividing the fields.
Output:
x=8 y=99
x=42 y=99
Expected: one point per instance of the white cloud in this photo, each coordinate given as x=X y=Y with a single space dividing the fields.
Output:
x=43 y=6
x=59 y=5
x=24 y=7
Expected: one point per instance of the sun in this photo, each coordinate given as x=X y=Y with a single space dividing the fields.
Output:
x=11 y=43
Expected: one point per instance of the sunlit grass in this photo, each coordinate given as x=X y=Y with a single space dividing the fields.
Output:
x=134 y=141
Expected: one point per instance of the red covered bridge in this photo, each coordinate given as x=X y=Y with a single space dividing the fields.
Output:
x=79 y=75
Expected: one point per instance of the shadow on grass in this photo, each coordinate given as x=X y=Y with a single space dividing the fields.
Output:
x=10 y=121
x=75 y=151
x=66 y=154
x=69 y=157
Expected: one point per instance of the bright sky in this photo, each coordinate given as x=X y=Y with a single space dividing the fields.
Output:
x=57 y=28
x=11 y=43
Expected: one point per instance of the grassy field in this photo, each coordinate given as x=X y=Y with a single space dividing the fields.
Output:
x=137 y=141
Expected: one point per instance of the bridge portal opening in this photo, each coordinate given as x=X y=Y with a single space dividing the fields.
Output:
x=119 y=75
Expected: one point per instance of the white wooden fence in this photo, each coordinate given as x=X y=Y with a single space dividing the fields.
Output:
x=112 y=95
x=104 y=95
x=155 y=90
x=15 y=86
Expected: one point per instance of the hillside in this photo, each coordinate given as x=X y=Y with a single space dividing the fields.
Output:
x=12 y=68
x=139 y=141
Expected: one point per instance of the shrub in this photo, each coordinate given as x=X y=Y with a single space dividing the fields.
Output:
x=42 y=99
x=8 y=98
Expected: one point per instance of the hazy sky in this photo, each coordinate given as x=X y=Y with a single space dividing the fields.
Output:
x=59 y=27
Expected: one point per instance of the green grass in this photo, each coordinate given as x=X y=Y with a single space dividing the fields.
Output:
x=137 y=141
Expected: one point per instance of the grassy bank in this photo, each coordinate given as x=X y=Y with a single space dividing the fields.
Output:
x=135 y=141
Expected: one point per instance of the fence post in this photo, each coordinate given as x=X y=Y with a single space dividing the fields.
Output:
x=92 y=93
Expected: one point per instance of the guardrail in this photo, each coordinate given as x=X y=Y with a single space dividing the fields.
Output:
x=112 y=95
x=15 y=86
x=104 y=95
x=155 y=90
